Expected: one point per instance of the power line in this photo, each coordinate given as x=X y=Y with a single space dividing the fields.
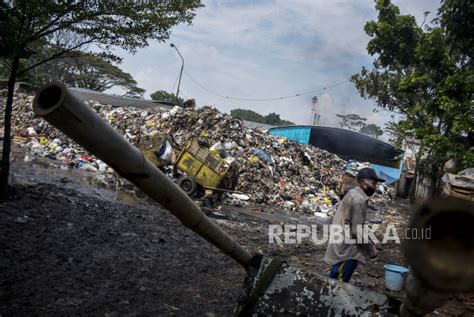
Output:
x=183 y=94
x=172 y=88
x=264 y=99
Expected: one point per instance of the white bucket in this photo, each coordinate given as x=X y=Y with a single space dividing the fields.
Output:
x=394 y=276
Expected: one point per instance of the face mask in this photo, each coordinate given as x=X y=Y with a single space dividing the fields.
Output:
x=369 y=191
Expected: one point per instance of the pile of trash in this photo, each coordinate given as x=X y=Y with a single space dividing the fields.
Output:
x=353 y=167
x=272 y=171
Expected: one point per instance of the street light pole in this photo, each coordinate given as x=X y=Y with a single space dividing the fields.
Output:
x=182 y=67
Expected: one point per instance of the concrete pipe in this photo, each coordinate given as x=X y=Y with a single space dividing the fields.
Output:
x=75 y=119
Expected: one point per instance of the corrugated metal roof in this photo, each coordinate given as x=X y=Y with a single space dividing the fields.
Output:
x=341 y=130
x=348 y=144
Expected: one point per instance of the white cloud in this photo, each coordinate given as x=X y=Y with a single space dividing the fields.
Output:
x=270 y=49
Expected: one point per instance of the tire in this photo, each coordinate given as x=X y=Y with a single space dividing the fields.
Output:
x=188 y=185
x=236 y=123
x=207 y=202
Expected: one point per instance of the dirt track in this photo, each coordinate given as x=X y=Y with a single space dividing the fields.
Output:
x=64 y=253
x=67 y=248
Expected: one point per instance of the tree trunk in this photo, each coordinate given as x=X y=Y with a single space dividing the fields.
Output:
x=434 y=179
x=412 y=193
x=5 y=163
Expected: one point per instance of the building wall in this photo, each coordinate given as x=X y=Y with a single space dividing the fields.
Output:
x=423 y=186
x=298 y=134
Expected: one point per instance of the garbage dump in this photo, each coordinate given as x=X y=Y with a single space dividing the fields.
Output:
x=273 y=286
x=273 y=277
x=272 y=171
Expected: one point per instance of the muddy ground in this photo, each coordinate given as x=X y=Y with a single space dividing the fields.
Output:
x=70 y=248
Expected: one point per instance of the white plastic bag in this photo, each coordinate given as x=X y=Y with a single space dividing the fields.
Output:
x=168 y=155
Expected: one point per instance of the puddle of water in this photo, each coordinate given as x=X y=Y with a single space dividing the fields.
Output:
x=127 y=196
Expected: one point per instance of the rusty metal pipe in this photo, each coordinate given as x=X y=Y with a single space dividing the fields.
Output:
x=441 y=264
x=61 y=109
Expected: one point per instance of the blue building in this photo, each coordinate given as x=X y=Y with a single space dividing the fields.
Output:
x=384 y=158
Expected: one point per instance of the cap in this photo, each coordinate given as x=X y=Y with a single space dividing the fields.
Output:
x=367 y=172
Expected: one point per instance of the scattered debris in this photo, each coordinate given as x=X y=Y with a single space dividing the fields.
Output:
x=351 y=168
x=460 y=185
x=272 y=171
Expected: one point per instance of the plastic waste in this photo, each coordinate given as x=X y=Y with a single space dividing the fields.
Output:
x=167 y=153
x=261 y=154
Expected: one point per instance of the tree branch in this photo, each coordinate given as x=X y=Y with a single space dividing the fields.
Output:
x=54 y=56
x=50 y=24
x=66 y=25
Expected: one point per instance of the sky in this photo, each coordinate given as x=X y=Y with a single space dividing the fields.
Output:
x=267 y=49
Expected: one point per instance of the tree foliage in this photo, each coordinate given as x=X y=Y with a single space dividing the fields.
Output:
x=32 y=27
x=351 y=121
x=274 y=119
x=162 y=95
x=84 y=70
x=456 y=18
x=424 y=73
x=249 y=115
x=127 y=24
x=372 y=130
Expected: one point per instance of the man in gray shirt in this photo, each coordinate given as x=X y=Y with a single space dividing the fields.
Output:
x=351 y=213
